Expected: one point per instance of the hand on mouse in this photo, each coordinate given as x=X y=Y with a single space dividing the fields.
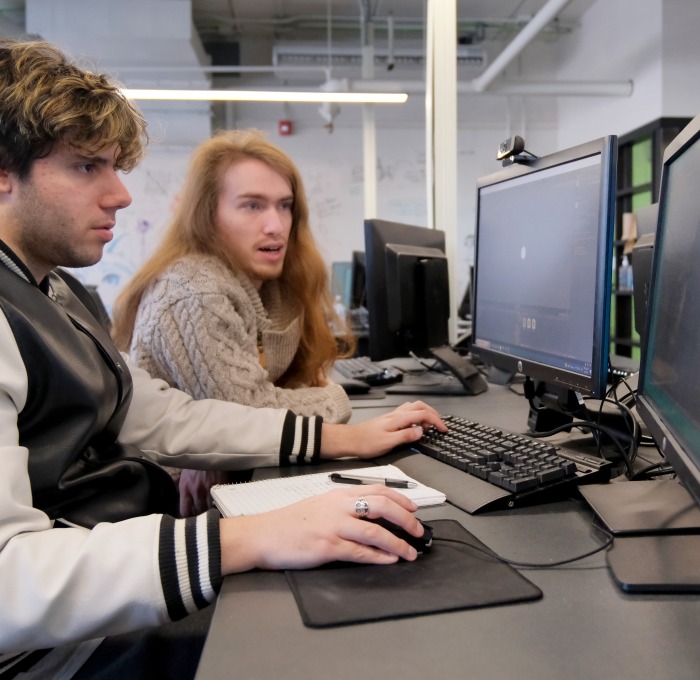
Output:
x=422 y=543
x=320 y=529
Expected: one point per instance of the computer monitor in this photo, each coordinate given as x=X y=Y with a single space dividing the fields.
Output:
x=662 y=554
x=341 y=282
x=669 y=390
x=642 y=256
x=358 y=292
x=464 y=311
x=407 y=289
x=542 y=283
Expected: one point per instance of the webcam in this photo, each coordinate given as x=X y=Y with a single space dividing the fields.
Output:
x=510 y=147
x=512 y=150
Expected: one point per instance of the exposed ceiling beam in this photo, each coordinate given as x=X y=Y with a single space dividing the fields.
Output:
x=518 y=44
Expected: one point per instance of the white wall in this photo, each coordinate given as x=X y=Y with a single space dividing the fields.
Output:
x=680 y=95
x=651 y=42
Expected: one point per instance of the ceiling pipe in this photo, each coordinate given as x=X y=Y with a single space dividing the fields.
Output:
x=580 y=88
x=390 y=41
x=349 y=23
x=515 y=46
x=563 y=88
x=218 y=69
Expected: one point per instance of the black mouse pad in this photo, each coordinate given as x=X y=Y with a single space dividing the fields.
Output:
x=451 y=576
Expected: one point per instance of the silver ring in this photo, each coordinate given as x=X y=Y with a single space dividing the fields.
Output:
x=361 y=507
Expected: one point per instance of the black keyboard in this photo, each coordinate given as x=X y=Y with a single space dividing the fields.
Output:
x=363 y=368
x=509 y=469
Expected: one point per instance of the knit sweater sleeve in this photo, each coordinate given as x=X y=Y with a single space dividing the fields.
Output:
x=196 y=329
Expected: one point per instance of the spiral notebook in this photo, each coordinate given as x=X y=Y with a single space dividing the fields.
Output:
x=252 y=498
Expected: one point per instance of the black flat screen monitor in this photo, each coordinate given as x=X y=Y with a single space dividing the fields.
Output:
x=542 y=280
x=668 y=399
x=669 y=388
x=407 y=289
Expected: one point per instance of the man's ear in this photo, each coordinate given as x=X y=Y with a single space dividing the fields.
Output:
x=6 y=181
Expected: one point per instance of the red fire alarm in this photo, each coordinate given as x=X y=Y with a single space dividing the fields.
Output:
x=284 y=127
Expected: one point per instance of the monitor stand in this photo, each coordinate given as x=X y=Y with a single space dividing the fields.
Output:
x=551 y=406
x=429 y=383
x=656 y=524
x=667 y=563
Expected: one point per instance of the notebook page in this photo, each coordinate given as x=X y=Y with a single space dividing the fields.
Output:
x=252 y=498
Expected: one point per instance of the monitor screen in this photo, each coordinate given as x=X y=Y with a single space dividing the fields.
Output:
x=407 y=289
x=341 y=282
x=542 y=279
x=669 y=391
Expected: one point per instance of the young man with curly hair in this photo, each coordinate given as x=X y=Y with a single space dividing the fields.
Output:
x=98 y=576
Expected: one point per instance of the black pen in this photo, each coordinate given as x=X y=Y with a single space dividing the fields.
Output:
x=360 y=479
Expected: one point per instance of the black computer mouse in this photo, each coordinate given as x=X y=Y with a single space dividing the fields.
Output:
x=352 y=386
x=421 y=543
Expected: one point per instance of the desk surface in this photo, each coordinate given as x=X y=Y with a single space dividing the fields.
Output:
x=584 y=626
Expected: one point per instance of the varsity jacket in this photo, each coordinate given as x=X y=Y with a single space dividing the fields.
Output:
x=74 y=416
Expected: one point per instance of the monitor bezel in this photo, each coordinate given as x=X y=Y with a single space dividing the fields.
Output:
x=555 y=376
x=358 y=286
x=670 y=447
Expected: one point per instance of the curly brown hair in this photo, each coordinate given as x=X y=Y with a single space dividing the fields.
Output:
x=193 y=229
x=45 y=99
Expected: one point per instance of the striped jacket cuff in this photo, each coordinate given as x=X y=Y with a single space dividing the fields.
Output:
x=301 y=439
x=190 y=562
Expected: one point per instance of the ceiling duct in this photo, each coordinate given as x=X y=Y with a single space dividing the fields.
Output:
x=349 y=56
x=223 y=52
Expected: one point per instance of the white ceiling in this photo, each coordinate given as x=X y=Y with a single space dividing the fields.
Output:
x=244 y=32
x=308 y=19
x=341 y=20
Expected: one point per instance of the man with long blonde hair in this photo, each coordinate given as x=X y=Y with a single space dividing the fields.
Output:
x=195 y=229
x=235 y=302
x=98 y=576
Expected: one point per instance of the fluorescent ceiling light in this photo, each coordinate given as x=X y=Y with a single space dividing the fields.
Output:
x=269 y=96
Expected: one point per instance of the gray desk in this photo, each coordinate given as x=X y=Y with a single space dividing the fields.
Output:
x=583 y=628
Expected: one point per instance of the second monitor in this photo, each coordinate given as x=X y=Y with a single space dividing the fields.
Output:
x=407 y=288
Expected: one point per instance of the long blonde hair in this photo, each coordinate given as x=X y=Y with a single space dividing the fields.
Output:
x=193 y=229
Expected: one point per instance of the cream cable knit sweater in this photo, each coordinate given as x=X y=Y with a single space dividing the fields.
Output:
x=198 y=326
